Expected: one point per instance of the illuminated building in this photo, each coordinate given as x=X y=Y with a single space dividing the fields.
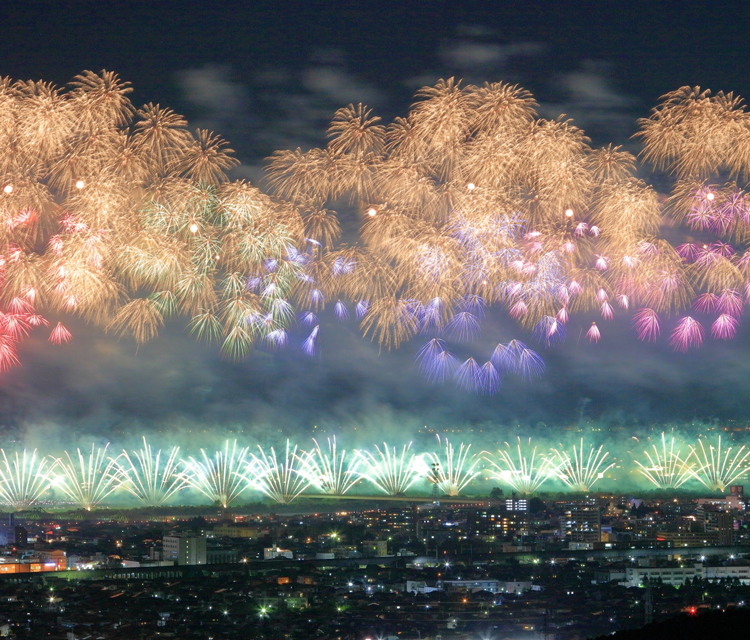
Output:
x=185 y=550
x=581 y=524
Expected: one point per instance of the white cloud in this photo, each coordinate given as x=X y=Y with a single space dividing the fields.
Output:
x=210 y=88
x=467 y=55
x=591 y=87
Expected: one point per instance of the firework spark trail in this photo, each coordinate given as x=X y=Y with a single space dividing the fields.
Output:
x=580 y=472
x=453 y=470
x=470 y=203
x=23 y=480
x=516 y=358
x=445 y=222
x=149 y=479
x=390 y=472
x=155 y=476
x=593 y=334
x=435 y=362
x=220 y=478
x=525 y=472
x=125 y=218
x=708 y=196
x=283 y=481
x=330 y=471
x=86 y=481
x=688 y=333
x=716 y=470
x=665 y=468
x=646 y=323
x=308 y=346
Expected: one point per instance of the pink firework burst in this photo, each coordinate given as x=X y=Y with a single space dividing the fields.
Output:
x=688 y=251
x=607 y=311
x=736 y=207
x=562 y=315
x=56 y=245
x=518 y=310
x=646 y=323
x=16 y=325
x=706 y=303
x=60 y=334
x=631 y=262
x=724 y=327
x=568 y=247
x=20 y=306
x=723 y=221
x=35 y=320
x=723 y=249
x=707 y=256
x=688 y=333
x=593 y=334
x=8 y=354
x=701 y=217
x=730 y=302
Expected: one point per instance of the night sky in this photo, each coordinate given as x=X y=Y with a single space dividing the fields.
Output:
x=269 y=75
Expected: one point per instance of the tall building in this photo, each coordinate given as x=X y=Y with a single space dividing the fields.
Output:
x=582 y=524
x=20 y=536
x=720 y=523
x=185 y=549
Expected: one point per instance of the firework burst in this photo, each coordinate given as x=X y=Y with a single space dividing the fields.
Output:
x=665 y=468
x=452 y=471
x=470 y=203
x=522 y=469
x=124 y=217
x=330 y=471
x=715 y=468
x=282 y=481
x=86 y=481
x=579 y=471
x=218 y=478
x=23 y=479
x=151 y=479
x=390 y=472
